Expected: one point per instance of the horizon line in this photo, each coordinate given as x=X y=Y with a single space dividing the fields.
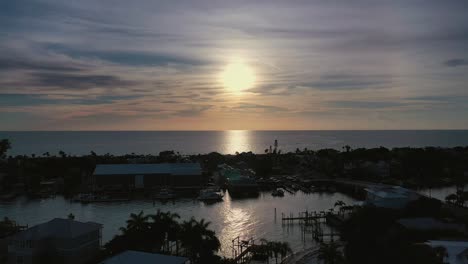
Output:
x=254 y=130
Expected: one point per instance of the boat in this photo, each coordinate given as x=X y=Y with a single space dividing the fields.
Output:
x=210 y=195
x=165 y=194
x=97 y=198
x=278 y=192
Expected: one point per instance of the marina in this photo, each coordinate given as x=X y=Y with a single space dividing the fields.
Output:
x=233 y=217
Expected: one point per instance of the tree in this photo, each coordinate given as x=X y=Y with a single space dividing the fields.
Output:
x=330 y=253
x=137 y=222
x=165 y=228
x=200 y=242
x=274 y=249
x=451 y=198
x=5 y=145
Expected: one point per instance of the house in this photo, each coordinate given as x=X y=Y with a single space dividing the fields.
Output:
x=143 y=176
x=131 y=257
x=430 y=224
x=456 y=251
x=394 y=197
x=70 y=241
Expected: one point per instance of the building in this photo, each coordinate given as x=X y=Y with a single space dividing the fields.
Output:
x=457 y=251
x=131 y=257
x=140 y=176
x=69 y=241
x=394 y=197
x=239 y=184
x=430 y=224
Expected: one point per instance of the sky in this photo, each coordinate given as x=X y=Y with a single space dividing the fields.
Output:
x=156 y=65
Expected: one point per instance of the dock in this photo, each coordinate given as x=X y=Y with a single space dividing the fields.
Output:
x=313 y=223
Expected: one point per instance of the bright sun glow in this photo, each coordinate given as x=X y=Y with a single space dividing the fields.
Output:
x=238 y=76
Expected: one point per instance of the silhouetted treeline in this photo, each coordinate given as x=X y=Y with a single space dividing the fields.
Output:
x=412 y=167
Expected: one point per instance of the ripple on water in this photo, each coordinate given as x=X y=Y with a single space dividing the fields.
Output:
x=246 y=218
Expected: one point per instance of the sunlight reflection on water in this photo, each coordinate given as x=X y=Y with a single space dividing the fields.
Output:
x=237 y=141
x=253 y=217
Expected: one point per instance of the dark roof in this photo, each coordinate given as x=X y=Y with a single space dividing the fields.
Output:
x=428 y=223
x=146 y=169
x=58 y=228
x=131 y=257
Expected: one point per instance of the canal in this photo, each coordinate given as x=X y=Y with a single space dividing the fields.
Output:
x=251 y=217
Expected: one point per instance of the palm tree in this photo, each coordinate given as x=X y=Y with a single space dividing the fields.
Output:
x=283 y=249
x=451 y=198
x=341 y=205
x=330 y=253
x=275 y=249
x=198 y=240
x=136 y=223
x=165 y=228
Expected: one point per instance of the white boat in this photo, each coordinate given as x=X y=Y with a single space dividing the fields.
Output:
x=94 y=198
x=210 y=195
x=165 y=194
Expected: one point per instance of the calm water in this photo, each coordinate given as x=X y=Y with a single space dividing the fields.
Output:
x=253 y=217
x=194 y=142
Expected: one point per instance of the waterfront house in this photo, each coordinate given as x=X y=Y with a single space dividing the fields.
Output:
x=65 y=240
x=422 y=224
x=394 y=197
x=237 y=183
x=456 y=251
x=132 y=257
x=143 y=176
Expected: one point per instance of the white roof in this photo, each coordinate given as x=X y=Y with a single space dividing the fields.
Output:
x=132 y=257
x=455 y=250
x=145 y=169
x=389 y=192
x=58 y=228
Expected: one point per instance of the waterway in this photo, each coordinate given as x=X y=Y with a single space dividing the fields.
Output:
x=247 y=218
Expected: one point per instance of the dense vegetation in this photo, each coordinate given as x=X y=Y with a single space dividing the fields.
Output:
x=161 y=232
x=373 y=235
x=411 y=167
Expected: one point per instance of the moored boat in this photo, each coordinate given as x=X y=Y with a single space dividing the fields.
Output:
x=165 y=194
x=210 y=195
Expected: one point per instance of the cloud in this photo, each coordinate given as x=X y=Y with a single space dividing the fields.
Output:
x=91 y=60
x=124 y=57
x=83 y=81
x=365 y=104
x=192 y=111
x=270 y=108
x=350 y=82
x=25 y=64
x=456 y=62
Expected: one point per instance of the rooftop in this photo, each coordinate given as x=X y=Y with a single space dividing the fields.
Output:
x=58 y=228
x=160 y=168
x=389 y=192
x=131 y=257
x=428 y=223
x=457 y=250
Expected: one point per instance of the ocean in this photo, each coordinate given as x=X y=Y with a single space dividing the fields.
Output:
x=226 y=142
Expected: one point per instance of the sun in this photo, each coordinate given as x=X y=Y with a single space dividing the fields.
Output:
x=238 y=76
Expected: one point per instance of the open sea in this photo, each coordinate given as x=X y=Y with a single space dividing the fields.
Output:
x=226 y=142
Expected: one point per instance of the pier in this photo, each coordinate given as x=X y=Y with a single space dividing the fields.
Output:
x=313 y=223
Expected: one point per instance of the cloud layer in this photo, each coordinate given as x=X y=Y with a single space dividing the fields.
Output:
x=141 y=65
